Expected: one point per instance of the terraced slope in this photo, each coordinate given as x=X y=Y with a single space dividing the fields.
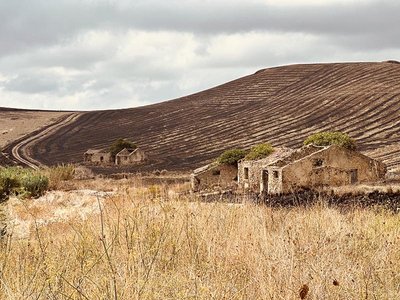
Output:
x=282 y=105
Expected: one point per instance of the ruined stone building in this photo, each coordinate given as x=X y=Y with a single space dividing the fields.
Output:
x=129 y=156
x=214 y=177
x=124 y=157
x=287 y=170
x=97 y=156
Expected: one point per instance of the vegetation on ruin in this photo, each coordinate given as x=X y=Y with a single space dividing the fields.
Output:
x=231 y=157
x=331 y=138
x=259 y=151
x=119 y=145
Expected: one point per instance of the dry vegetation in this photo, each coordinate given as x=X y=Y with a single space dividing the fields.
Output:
x=152 y=243
x=17 y=123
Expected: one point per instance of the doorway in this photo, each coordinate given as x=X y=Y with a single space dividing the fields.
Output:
x=265 y=177
x=353 y=176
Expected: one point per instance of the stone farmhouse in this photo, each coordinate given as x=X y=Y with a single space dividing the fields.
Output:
x=97 y=156
x=214 y=177
x=129 y=156
x=126 y=156
x=310 y=167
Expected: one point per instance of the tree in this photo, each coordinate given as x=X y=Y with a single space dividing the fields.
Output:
x=119 y=145
x=331 y=138
x=231 y=157
x=260 y=151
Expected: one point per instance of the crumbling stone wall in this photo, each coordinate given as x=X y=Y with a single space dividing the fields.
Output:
x=333 y=166
x=218 y=177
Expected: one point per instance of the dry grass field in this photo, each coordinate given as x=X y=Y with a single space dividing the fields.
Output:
x=16 y=123
x=141 y=242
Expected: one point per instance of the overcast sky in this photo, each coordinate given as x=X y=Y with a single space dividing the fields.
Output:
x=102 y=54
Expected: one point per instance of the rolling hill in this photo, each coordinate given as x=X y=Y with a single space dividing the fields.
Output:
x=281 y=105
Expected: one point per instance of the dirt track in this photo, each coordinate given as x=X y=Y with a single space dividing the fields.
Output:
x=281 y=105
x=19 y=151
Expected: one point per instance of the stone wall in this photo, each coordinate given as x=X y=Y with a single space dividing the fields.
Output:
x=251 y=182
x=333 y=166
x=130 y=158
x=219 y=177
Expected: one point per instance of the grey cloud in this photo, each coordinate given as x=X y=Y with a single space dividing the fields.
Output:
x=27 y=23
x=38 y=36
x=32 y=84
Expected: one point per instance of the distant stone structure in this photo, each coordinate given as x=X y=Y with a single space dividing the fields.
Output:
x=310 y=167
x=214 y=177
x=126 y=156
x=97 y=156
x=129 y=156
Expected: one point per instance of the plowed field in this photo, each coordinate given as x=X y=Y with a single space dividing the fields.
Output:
x=281 y=105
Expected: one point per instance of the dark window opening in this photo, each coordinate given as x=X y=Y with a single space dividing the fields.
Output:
x=276 y=174
x=216 y=172
x=318 y=162
x=246 y=173
x=353 y=176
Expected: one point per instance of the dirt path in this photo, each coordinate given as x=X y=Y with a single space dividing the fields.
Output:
x=19 y=151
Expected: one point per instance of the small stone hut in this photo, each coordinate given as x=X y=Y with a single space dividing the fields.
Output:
x=97 y=156
x=213 y=177
x=309 y=167
x=249 y=171
x=129 y=156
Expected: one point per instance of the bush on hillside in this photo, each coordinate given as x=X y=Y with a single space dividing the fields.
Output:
x=9 y=181
x=119 y=145
x=231 y=157
x=23 y=182
x=260 y=151
x=331 y=138
x=34 y=185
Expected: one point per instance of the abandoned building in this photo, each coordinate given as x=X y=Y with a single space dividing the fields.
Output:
x=214 y=177
x=126 y=156
x=97 y=156
x=129 y=156
x=287 y=170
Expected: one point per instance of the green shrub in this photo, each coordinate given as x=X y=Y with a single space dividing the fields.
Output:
x=331 y=138
x=34 y=184
x=9 y=182
x=119 y=145
x=23 y=182
x=260 y=151
x=231 y=157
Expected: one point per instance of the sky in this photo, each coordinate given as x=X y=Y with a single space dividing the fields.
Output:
x=106 y=54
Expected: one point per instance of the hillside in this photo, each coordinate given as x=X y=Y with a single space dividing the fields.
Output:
x=281 y=105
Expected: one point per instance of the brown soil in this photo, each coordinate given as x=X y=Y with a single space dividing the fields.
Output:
x=16 y=123
x=281 y=105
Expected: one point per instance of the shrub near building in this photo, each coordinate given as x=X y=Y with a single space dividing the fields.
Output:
x=260 y=151
x=231 y=157
x=328 y=138
x=119 y=145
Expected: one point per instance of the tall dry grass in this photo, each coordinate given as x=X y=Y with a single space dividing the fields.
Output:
x=148 y=244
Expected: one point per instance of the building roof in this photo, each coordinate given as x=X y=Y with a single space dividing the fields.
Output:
x=127 y=151
x=95 y=151
x=297 y=155
x=278 y=154
x=306 y=151
x=205 y=168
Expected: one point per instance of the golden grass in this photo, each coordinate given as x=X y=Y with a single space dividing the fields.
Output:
x=147 y=245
